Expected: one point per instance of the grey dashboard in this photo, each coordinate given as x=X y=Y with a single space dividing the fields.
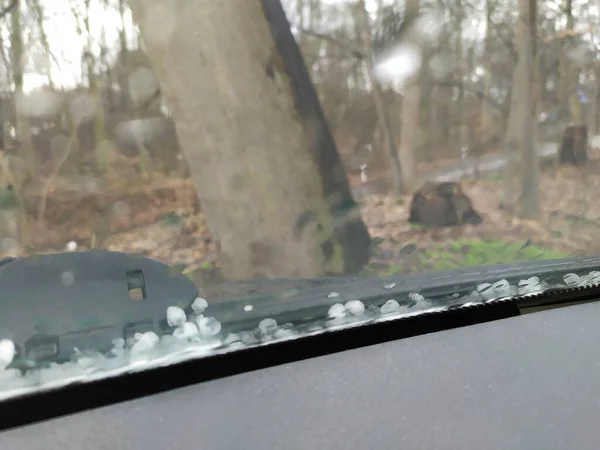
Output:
x=527 y=382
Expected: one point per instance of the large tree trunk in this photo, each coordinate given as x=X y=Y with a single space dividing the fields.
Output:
x=263 y=161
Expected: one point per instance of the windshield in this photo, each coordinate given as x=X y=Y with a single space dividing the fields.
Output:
x=300 y=165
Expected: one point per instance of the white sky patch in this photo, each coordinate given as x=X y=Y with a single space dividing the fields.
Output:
x=67 y=45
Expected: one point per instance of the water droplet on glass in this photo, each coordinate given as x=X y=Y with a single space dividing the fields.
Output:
x=399 y=64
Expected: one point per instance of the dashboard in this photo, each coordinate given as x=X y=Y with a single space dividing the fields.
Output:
x=525 y=382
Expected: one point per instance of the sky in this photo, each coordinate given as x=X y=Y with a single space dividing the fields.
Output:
x=67 y=45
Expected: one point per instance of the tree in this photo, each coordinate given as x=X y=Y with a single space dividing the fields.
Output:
x=409 y=130
x=511 y=138
x=527 y=74
x=486 y=113
x=377 y=94
x=394 y=26
x=17 y=63
x=265 y=166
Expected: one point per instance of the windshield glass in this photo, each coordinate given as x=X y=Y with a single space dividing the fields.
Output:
x=301 y=166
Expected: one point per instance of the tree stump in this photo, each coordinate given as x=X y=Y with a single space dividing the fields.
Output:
x=573 y=148
x=442 y=204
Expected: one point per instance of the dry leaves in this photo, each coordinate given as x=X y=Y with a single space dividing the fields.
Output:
x=162 y=219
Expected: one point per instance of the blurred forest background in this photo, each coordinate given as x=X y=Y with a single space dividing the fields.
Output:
x=466 y=131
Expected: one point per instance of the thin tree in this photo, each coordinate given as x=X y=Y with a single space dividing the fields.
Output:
x=384 y=122
x=527 y=74
x=409 y=131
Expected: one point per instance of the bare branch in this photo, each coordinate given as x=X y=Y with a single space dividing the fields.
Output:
x=469 y=87
x=357 y=53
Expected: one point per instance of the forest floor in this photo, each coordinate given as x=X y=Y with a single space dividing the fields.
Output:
x=162 y=219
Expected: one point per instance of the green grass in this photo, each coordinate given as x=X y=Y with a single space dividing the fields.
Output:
x=473 y=253
x=462 y=253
